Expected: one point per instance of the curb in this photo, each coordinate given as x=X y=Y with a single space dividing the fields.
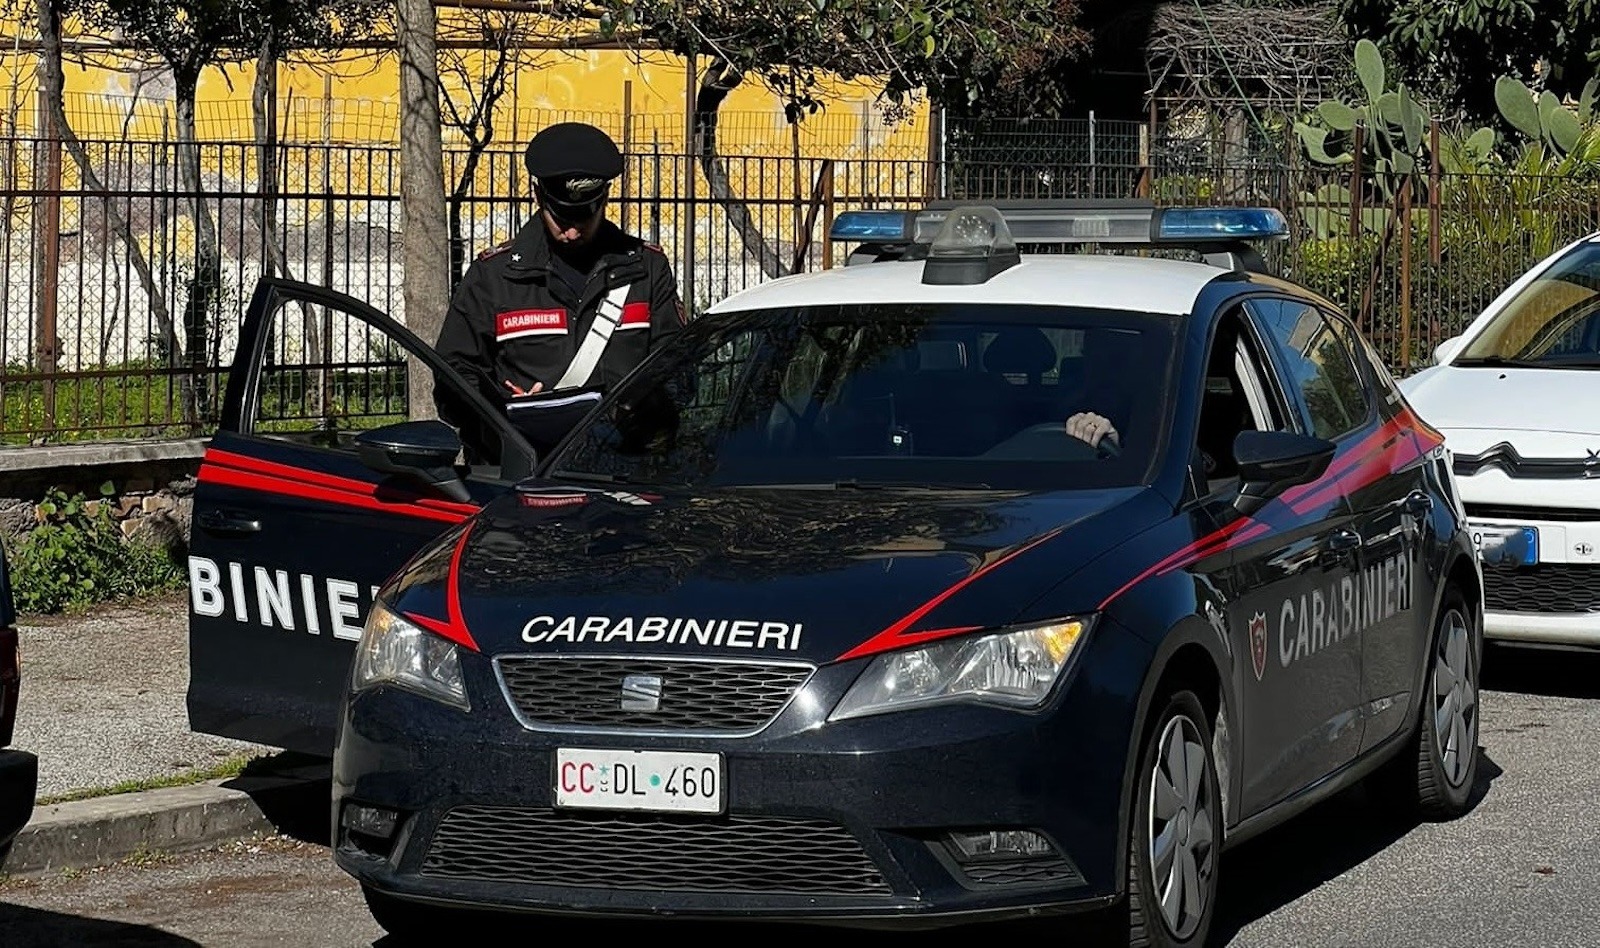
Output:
x=103 y=830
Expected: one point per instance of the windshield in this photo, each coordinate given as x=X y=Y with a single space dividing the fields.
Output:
x=887 y=396
x=1554 y=322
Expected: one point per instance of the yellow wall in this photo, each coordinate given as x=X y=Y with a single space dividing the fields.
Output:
x=354 y=99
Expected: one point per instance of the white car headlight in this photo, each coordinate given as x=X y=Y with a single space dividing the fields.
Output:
x=395 y=652
x=1015 y=669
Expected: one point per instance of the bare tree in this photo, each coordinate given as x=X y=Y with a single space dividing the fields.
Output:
x=422 y=197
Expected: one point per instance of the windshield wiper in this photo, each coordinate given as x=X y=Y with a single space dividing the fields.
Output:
x=592 y=476
x=1499 y=361
x=854 y=484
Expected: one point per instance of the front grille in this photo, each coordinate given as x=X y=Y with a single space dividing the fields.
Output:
x=1545 y=588
x=697 y=697
x=1527 y=514
x=1024 y=872
x=652 y=852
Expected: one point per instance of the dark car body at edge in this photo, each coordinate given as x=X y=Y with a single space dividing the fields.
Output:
x=19 y=770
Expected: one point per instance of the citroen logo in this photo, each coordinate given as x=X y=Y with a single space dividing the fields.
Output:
x=641 y=693
x=1591 y=464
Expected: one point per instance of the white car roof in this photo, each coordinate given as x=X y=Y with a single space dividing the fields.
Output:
x=1105 y=281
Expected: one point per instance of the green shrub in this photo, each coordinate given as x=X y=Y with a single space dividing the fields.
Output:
x=77 y=558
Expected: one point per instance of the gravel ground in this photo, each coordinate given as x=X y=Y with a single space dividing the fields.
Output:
x=103 y=697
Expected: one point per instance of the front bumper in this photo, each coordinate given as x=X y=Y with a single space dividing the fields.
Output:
x=1555 y=599
x=19 y=784
x=842 y=823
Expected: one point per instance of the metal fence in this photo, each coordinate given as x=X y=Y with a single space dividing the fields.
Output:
x=109 y=326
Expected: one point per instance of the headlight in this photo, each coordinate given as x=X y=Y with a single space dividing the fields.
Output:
x=395 y=652
x=1014 y=669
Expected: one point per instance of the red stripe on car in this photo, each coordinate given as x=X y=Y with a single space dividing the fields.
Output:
x=238 y=470
x=899 y=635
x=454 y=628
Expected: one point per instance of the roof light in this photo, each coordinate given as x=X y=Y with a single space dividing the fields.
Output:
x=1191 y=224
x=972 y=245
x=1061 y=222
x=886 y=226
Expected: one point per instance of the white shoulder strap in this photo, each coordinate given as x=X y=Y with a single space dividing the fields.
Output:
x=594 y=343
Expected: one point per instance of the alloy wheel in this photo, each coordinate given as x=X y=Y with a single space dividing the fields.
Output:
x=1182 y=848
x=1455 y=699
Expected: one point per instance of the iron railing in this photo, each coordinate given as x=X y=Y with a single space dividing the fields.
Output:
x=112 y=324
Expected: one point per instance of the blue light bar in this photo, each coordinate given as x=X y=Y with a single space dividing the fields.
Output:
x=1220 y=223
x=885 y=226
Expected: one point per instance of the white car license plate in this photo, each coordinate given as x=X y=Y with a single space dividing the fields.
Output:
x=664 y=781
x=1506 y=545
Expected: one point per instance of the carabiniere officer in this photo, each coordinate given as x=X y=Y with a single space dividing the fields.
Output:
x=571 y=302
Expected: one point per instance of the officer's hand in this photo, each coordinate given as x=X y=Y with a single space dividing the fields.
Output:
x=537 y=387
x=1087 y=426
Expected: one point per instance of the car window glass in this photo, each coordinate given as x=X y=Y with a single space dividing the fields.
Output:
x=908 y=393
x=1317 y=366
x=1554 y=320
x=1237 y=398
x=327 y=375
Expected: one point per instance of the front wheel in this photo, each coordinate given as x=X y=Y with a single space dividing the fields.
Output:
x=1447 y=747
x=1176 y=833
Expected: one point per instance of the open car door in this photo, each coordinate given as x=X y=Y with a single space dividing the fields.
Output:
x=293 y=531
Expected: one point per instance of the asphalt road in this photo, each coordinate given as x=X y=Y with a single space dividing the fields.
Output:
x=1517 y=870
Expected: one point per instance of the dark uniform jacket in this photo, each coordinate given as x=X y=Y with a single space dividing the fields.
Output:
x=514 y=319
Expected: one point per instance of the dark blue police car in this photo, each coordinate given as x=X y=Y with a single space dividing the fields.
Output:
x=959 y=584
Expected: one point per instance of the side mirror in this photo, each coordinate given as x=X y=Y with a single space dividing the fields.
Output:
x=424 y=451
x=1444 y=350
x=1271 y=462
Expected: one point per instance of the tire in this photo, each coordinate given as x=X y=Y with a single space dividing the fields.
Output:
x=1188 y=814
x=1445 y=757
x=405 y=921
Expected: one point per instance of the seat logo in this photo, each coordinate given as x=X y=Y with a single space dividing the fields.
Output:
x=641 y=693
x=1258 y=643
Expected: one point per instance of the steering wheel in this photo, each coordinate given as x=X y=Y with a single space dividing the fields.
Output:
x=1053 y=442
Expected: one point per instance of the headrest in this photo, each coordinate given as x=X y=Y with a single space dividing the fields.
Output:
x=942 y=355
x=1020 y=350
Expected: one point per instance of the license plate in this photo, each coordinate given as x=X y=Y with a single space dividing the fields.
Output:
x=662 y=781
x=1506 y=546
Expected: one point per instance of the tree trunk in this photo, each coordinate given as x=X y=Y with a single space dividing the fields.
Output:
x=274 y=259
x=424 y=225
x=264 y=98
x=51 y=83
x=207 y=277
x=719 y=80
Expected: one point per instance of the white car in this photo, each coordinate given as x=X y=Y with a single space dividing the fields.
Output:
x=1517 y=396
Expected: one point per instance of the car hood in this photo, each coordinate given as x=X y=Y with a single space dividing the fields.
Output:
x=813 y=575
x=1558 y=401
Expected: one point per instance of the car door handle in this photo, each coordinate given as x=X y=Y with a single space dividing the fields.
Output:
x=1340 y=546
x=217 y=521
x=1418 y=504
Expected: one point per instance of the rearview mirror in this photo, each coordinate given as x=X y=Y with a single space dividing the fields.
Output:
x=424 y=451
x=1444 y=350
x=1271 y=462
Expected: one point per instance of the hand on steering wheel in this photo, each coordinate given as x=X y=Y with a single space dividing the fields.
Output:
x=1097 y=430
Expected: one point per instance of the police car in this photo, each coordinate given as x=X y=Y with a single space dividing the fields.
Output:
x=828 y=614
x=1515 y=395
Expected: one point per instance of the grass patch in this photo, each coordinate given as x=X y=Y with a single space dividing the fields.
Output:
x=232 y=767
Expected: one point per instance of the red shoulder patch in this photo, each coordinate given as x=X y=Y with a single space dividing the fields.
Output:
x=656 y=247
x=496 y=250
